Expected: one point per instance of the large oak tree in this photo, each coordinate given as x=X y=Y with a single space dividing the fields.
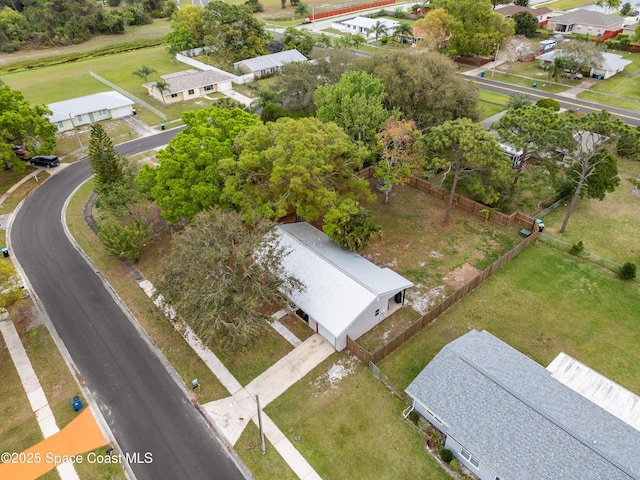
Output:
x=305 y=164
x=187 y=177
x=221 y=276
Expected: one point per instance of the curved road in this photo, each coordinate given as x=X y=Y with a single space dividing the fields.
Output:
x=148 y=413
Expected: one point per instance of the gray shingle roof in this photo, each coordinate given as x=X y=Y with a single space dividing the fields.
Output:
x=515 y=417
x=587 y=17
x=190 y=79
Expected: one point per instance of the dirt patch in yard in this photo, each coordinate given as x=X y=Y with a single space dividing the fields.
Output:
x=461 y=275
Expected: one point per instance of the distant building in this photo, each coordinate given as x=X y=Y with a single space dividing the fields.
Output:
x=586 y=22
x=88 y=109
x=269 y=64
x=542 y=13
x=612 y=63
x=189 y=84
x=364 y=25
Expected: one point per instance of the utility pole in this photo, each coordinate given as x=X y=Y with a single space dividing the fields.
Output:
x=493 y=69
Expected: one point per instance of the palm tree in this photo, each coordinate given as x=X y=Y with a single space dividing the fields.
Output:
x=162 y=85
x=378 y=29
x=403 y=30
x=557 y=68
x=301 y=9
x=143 y=72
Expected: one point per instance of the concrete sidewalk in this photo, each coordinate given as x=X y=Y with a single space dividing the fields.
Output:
x=232 y=414
x=35 y=393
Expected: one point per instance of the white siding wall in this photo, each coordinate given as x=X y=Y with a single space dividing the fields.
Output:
x=121 y=112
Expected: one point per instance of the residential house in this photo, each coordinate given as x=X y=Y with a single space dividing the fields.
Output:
x=269 y=64
x=189 y=84
x=344 y=293
x=504 y=416
x=612 y=63
x=68 y=114
x=542 y=13
x=364 y=25
x=585 y=22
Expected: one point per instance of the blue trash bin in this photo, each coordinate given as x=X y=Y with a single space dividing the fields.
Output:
x=482 y=74
x=76 y=403
x=534 y=84
x=5 y=252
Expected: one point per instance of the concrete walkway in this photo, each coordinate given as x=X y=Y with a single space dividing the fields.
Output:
x=35 y=394
x=232 y=414
x=238 y=97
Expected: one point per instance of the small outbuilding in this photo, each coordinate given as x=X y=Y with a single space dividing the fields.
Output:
x=344 y=294
x=265 y=65
x=504 y=416
x=88 y=109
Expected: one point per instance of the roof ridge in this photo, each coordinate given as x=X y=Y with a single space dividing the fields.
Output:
x=540 y=412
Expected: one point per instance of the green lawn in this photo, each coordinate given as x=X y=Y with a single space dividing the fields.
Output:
x=37 y=86
x=526 y=74
x=351 y=427
x=491 y=103
x=609 y=228
x=156 y=30
x=562 y=5
x=542 y=303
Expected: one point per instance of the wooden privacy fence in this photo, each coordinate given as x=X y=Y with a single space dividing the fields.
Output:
x=499 y=218
x=365 y=356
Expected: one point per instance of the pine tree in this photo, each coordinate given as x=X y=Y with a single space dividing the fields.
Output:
x=106 y=164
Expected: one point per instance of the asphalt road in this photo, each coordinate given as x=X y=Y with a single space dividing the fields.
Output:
x=627 y=116
x=149 y=415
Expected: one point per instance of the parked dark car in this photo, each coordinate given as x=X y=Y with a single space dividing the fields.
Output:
x=20 y=152
x=45 y=161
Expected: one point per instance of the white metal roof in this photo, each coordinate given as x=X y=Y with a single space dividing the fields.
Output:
x=340 y=284
x=369 y=23
x=273 y=60
x=605 y=393
x=87 y=104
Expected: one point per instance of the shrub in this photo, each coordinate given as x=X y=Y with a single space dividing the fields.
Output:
x=414 y=417
x=455 y=465
x=577 y=248
x=628 y=271
x=446 y=455
x=549 y=103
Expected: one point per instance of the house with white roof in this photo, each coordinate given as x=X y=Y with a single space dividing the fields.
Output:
x=364 y=25
x=344 y=294
x=269 y=64
x=611 y=64
x=190 y=84
x=504 y=416
x=68 y=114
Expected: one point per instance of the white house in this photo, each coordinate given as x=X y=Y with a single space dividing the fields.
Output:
x=612 y=63
x=504 y=416
x=345 y=294
x=89 y=109
x=269 y=64
x=364 y=25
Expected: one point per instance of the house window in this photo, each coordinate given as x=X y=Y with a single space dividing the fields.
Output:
x=190 y=92
x=174 y=95
x=60 y=124
x=208 y=88
x=263 y=72
x=102 y=113
x=79 y=118
x=472 y=460
x=377 y=312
